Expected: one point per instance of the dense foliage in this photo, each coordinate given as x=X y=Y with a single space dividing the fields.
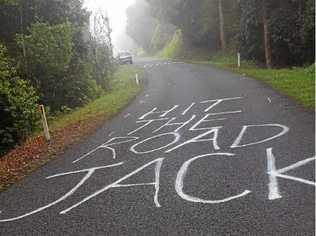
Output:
x=275 y=33
x=18 y=110
x=55 y=60
x=291 y=31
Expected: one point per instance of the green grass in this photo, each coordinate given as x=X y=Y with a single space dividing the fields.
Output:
x=123 y=90
x=173 y=48
x=297 y=83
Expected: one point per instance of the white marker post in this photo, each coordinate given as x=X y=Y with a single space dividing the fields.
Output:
x=238 y=59
x=137 y=80
x=44 y=122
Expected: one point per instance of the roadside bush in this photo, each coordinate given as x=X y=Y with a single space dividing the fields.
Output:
x=79 y=86
x=49 y=51
x=18 y=109
x=55 y=68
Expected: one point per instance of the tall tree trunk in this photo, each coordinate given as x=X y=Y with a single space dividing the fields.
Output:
x=221 y=25
x=22 y=28
x=266 y=35
x=302 y=20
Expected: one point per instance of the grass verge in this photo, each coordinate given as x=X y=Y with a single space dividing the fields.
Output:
x=123 y=89
x=173 y=48
x=67 y=129
x=297 y=83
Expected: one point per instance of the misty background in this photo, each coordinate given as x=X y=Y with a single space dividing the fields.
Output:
x=116 y=11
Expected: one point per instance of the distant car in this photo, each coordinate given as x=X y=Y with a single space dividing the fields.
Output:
x=125 y=58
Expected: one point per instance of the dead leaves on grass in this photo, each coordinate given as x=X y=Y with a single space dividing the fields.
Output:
x=36 y=152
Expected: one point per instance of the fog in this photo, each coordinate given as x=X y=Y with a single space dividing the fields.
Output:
x=116 y=10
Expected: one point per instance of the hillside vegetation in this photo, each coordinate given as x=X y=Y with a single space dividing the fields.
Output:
x=269 y=33
x=49 y=57
x=276 y=39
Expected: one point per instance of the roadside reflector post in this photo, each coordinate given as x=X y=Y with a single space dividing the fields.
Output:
x=44 y=122
x=238 y=59
x=136 y=79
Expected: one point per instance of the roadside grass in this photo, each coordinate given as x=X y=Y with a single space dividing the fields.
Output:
x=173 y=48
x=123 y=89
x=297 y=82
x=69 y=128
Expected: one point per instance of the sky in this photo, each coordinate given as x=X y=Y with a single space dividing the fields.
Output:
x=116 y=10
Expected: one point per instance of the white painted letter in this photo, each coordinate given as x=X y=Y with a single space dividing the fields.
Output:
x=147 y=122
x=188 y=109
x=116 y=184
x=180 y=124
x=218 y=101
x=162 y=113
x=274 y=174
x=182 y=173
x=89 y=172
x=237 y=142
x=108 y=145
x=195 y=127
x=199 y=139
x=176 y=138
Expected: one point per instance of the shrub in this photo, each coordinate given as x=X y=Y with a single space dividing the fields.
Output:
x=49 y=51
x=56 y=69
x=18 y=109
x=79 y=87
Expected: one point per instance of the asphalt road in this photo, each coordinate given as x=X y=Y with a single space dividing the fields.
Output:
x=200 y=152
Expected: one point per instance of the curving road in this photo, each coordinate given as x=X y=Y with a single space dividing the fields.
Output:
x=200 y=152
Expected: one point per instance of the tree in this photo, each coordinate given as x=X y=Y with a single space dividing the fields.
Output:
x=266 y=34
x=221 y=25
x=51 y=60
x=54 y=67
x=101 y=49
x=18 y=104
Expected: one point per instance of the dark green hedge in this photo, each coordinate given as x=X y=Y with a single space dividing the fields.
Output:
x=18 y=105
